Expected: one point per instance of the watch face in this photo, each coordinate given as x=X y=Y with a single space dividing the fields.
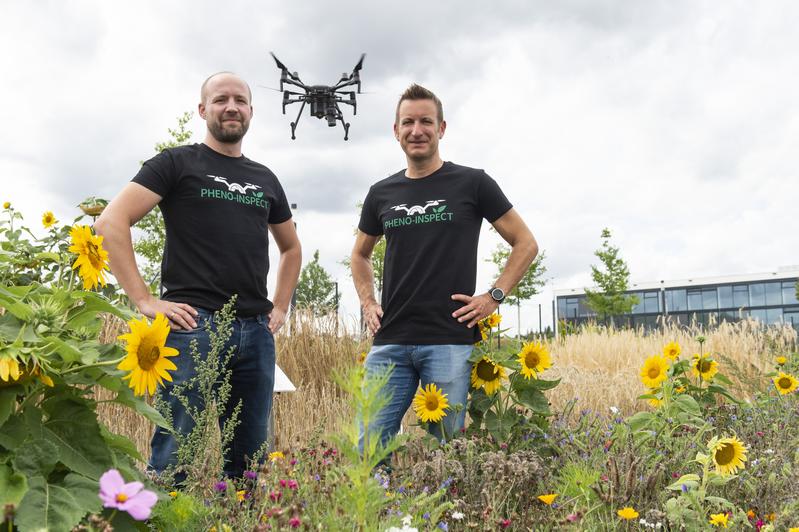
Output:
x=497 y=294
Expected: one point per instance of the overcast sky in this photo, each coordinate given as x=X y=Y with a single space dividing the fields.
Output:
x=673 y=123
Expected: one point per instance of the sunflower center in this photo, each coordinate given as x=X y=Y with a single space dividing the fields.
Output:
x=485 y=370
x=148 y=357
x=784 y=383
x=121 y=497
x=654 y=372
x=431 y=403
x=704 y=365
x=532 y=359
x=724 y=454
x=93 y=253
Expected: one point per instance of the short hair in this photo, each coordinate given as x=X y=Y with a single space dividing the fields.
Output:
x=209 y=78
x=417 y=92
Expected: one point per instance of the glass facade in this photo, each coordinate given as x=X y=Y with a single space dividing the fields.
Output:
x=770 y=302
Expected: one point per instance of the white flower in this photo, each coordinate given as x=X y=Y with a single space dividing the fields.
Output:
x=768 y=451
x=457 y=516
x=614 y=410
x=406 y=521
x=641 y=521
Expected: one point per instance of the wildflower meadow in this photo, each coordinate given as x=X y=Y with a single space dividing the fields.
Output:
x=678 y=428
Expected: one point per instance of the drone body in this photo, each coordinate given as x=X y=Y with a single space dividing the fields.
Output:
x=323 y=100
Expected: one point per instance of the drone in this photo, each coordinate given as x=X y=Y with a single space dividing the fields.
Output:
x=324 y=100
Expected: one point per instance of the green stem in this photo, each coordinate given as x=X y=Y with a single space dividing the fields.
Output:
x=96 y=365
x=111 y=517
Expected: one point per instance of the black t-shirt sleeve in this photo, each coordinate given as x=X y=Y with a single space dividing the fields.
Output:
x=492 y=201
x=159 y=174
x=280 y=211
x=370 y=221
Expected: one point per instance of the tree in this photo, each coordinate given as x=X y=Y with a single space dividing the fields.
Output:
x=315 y=288
x=150 y=245
x=378 y=261
x=612 y=282
x=530 y=283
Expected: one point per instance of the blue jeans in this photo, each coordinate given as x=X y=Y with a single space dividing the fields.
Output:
x=252 y=367
x=446 y=366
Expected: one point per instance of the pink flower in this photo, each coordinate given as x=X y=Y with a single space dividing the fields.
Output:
x=130 y=497
x=283 y=483
x=295 y=522
x=504 y=523
x=275 y=495
x=293 y=484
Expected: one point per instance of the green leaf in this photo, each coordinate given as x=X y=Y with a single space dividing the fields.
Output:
x=126 y=397
x=722 y=379
x=691 y=481
x=12 y=486
x=687 y=404
x=58 y=506
x=36 y=457
x=48 y=255
x=8 y=399
x=13 y=433
x=480 y=401
x=73 y=427
x=68 y=352
x=13 y=304
x=535 y=400
x=640 y=421
x=10 y=327
x=521 y=383
x=121 y=443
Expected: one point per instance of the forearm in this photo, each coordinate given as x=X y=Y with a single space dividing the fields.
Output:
x=522 y=255
x=119 y=244
x=363 y=277
x=288 y=271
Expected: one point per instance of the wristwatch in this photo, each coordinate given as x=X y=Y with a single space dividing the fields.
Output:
x=497 y=294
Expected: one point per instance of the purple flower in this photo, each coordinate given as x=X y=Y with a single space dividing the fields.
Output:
x=130 y=497
x=426 y=516
x=443 y=526
x=220 y=486
x=252 y=475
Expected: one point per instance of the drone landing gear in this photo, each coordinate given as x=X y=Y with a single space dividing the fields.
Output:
x=294 y=124
x=346 y=129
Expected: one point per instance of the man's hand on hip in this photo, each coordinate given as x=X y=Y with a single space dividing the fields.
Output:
x=276 y=319
x=475 y=308
x=180 y=315
x=372 y=314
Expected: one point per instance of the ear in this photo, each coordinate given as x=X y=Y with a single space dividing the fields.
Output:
x=441 y=128
x=201 y=110
x=396 y=131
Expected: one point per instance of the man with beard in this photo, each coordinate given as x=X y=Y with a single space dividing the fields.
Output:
x=218 y=208
x=430 y=214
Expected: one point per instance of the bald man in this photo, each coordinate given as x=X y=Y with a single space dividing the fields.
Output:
x=218 y=207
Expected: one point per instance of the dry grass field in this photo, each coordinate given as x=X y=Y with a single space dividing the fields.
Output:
x=598 y=366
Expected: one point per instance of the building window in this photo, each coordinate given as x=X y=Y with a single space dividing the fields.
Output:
x=740 y=296
x=695 y=299
x=725 y=297
x=757 y=294
x=758 y=314
x=638 y=308
x=676 y=300
x=709 y=299
x=789 y=293
x=773 y=294
x=651 y=302
x=773 y=315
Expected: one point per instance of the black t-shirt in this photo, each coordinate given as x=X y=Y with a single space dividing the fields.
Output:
x=217 y=210
x=432 y=226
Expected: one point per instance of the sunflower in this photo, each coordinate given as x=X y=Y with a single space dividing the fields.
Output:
x=672 y=351
x=7 y=205
x=488 y=375
x=275 y=456
x=653 y=372
x=534 y=359
x=718 y=520
x=729 y=455
x=704 y=367
x=492 y=320
x=9 y=367
x=48 y=219
x=627 y=513
x=92 y=258
x=429 y=404
x=548 y=499
x=147 y=354
x=785 y=383
x=483 y=332
x=781 y=360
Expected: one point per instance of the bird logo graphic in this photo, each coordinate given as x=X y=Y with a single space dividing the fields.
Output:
x=418 y=209
x=234 y=187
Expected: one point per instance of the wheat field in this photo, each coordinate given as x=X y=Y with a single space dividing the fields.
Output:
x=598 y=366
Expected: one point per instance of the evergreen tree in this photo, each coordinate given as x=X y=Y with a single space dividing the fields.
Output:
x=315 y=288
x=150 y=246
x=612 y=281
